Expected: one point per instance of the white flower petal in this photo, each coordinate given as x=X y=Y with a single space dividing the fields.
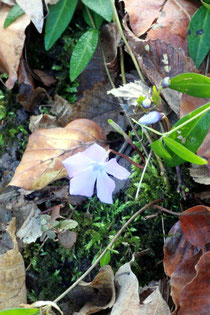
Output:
x=113 y=168
x=105 y=187
x=96 y=153
x=77 y=163
x=83 y=184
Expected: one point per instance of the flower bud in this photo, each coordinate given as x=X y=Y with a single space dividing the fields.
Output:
x=166 y=82
x=150 y=118
x=146 y=103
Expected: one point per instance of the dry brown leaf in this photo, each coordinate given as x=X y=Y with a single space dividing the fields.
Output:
x=95 y=105
x=41 y=163
x=158 y=59
x=67 y=239
x=34 y=10
x=127 y=292
x=172 y=24
x=47 y=80
x=12 y=274
x=142 y=14
x=42 y=121
x=154 y=304
x=194 y=298
x=89 y=298
x=12 y=41
x=195 y=223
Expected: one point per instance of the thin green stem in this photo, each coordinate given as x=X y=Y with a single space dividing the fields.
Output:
x=142 y=175
x=90 y=17
x=122 y=66
x=146 y=127
x=125 y=41
x=106 y=249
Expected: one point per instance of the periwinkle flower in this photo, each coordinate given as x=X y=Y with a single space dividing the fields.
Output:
x=91 y=166
x=150 y=118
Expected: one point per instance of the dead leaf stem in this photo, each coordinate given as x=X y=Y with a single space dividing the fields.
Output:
x=107 y=248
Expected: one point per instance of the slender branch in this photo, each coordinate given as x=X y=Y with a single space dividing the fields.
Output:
x=167 y=211
x=125 y=41
x=106 y=249
x=122 y=66
x=127 y=158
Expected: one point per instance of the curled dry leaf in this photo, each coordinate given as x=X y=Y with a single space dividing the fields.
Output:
x=142 y=14
x=158 y=59
x=41 y=163
x=12 y=274
x=127 y=292
x=89 y=298
x=34 y=11
x=194 y=299
x=12 y=40
x=42 y=121
x=182 y=252
x=95 y=104
x=154 y=304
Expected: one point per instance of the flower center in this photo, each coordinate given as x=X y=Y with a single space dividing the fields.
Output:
x=98 y=166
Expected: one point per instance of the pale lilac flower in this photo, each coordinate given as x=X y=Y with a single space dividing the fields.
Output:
x=91 y=166
x=150 y=118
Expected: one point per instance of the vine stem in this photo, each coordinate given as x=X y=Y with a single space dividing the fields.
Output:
x=125 y=41
x=106 y=249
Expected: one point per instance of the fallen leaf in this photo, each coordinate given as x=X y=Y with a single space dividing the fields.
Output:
x=195 y=223
x=157 y=60
x=142 y=14
x=172 y=24
x=95 y=105
x=41 y=163
x=200 y=174
x=9 y=2
x=89 y=298
x=42 y=121
x=34 y=11
x=12 y=274
x=189 y=103
x=154 y=304
x=127 y=292
x=31 y=228
x=194 y=298
x=12 y=41
x=67 y=239
x=46 y=79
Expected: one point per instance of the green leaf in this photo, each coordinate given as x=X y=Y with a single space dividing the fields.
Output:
x=68 y=224
x=83 y=52
x=105 y=259
x=13 y=14
x=21 y=311
x=199 y=35
x=207 y=5
x=101 y=7
x=58 y=19
x=183 y=152
x=191 y=135
x=158 y=147
x=193 y=84
x=96 y=18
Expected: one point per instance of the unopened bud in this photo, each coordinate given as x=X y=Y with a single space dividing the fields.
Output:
x=146 y=103
x=150 y=118
x=166 y=82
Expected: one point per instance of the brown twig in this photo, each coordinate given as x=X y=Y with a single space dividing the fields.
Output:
x=127 y=158
x=167 y=211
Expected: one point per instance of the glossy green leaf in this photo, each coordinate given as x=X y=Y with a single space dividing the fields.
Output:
x=183 y=152
x=193 y=84
x=83 y=52
x=101 y=7
x=159 y=148
x=105 y=259
x=13 y=15
x=206 y=4
x=199 y=35
x=57 y=21
x=96 y=18
x=21 y=311
x=190 y=135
